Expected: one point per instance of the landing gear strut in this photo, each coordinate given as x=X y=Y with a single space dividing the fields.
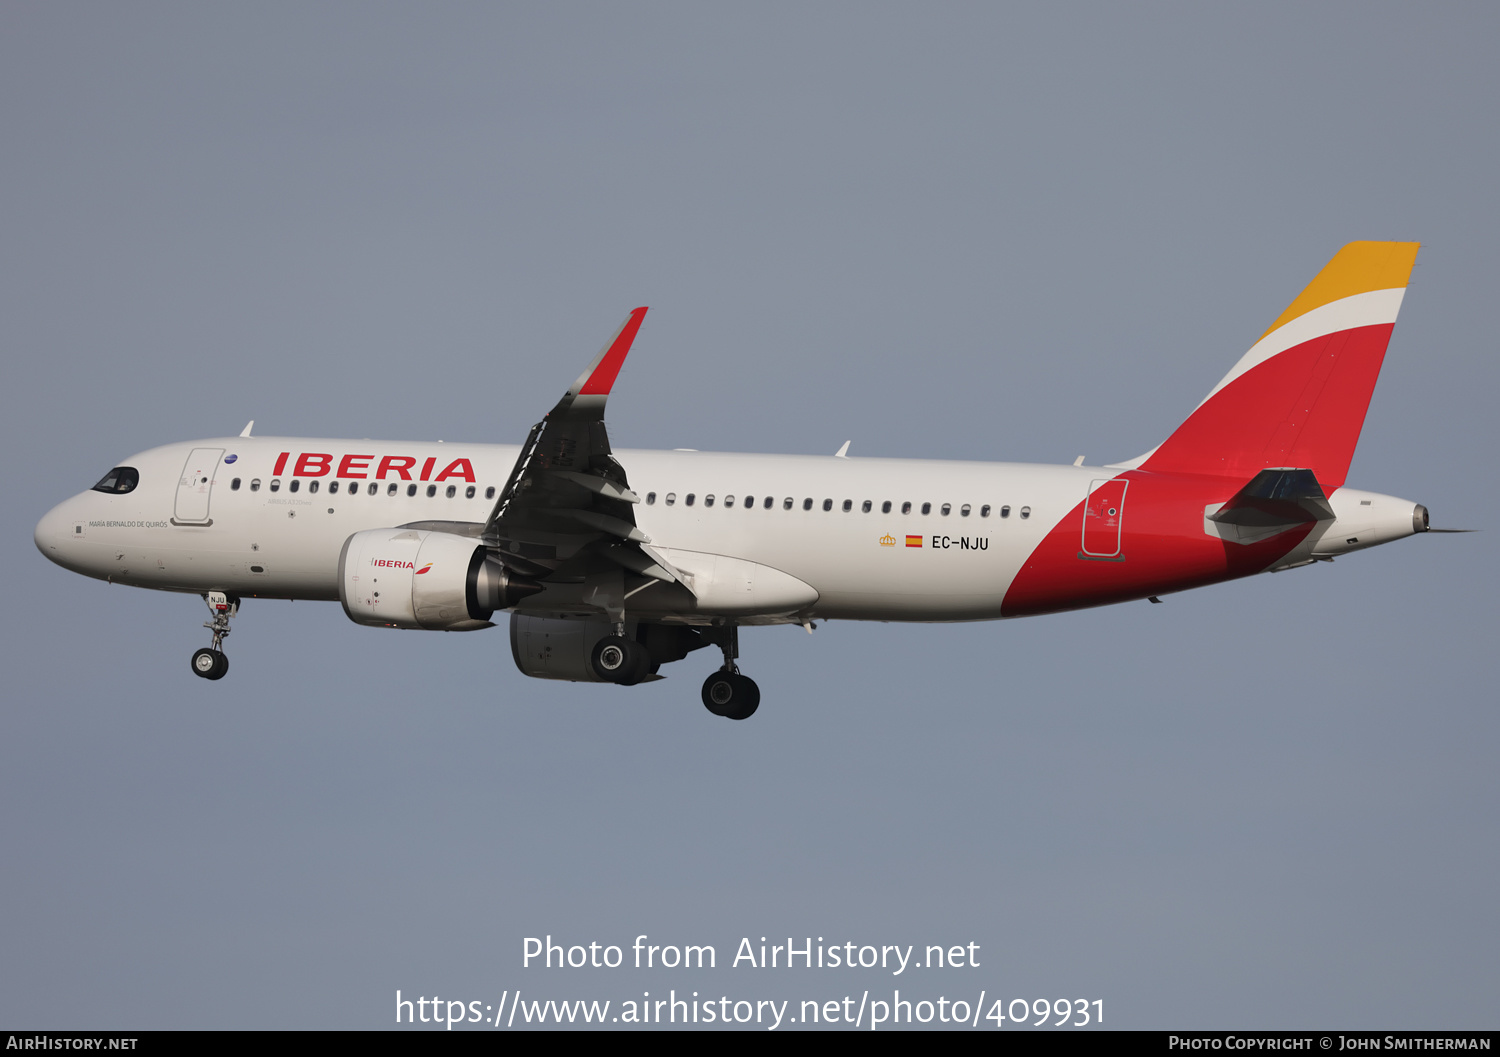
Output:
x=210 y=662
x=726 y=692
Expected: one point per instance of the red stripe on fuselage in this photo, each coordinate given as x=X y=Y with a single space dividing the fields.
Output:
x=1303 y=407
x=1163 y=548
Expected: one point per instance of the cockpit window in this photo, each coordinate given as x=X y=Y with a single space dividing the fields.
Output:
x=118 y=481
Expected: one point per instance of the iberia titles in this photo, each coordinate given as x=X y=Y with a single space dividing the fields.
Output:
x=357 y=467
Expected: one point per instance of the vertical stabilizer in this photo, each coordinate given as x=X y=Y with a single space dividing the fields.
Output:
x=1298 y=397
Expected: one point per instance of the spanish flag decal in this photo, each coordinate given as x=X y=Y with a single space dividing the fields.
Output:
x=913 y=541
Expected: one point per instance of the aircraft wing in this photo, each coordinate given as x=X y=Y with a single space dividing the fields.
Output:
x=568 y=500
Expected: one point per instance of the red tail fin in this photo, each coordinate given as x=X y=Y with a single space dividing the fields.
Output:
x=1298 y=397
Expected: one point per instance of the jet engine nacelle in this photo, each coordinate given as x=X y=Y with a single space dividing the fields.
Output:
x=558 y=648
x=414 y=578
x=563 y=648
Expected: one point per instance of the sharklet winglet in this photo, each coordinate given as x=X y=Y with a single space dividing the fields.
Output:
x=600 y=376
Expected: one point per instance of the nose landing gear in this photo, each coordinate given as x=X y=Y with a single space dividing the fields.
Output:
x=726 y=692
x=210 y=662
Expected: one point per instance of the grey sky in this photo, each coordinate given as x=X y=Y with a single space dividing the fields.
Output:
x=950 y=231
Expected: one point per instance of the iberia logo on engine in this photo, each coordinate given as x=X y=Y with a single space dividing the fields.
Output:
x=396 y=563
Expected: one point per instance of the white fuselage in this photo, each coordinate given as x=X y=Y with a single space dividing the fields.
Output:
x=982 y=519
x=865 y=539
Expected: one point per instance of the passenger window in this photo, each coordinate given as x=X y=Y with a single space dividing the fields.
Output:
x=885 y=508
x=1025 y=512
x=234 y=485
x=786 y=504
x=431 y=490
x=390 y=489
x=827 y=505
x=333 y=488
x=926 y=508
x=865 y=508
x=749 y=501
x=671 y=498
x=807 y=504
x=118 y=481
x=275 y=484
x=770 y=502
x=729 y=500
x=708 y=500
x=650 y=498
x=411 y=490
x=296 y=484
x=373 y=488
x=255 y=484
x=312 y=486
x=451 y=492
x=964 y=510
x=906 y=508
x=984 y=511
x=489 y=493
x=1005 y=511
x=689 y=500
x=469 y=492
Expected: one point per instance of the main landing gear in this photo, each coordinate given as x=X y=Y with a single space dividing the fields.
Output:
x=625 y=660
x=210 y=662
x=618 y=658
x=726 y=692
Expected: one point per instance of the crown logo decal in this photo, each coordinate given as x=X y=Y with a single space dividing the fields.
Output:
x=887 y=541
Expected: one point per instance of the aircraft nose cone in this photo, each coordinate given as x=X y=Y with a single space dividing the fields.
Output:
x=52 y=532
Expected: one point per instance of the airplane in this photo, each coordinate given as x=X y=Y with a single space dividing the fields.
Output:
x=612 y=564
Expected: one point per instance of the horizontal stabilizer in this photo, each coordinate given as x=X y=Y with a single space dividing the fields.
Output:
x=1274 y=501
x=1276 y=497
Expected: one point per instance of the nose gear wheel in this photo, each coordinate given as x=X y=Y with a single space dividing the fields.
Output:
x=210 y=662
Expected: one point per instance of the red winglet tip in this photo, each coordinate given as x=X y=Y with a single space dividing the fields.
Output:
x=602 y=379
